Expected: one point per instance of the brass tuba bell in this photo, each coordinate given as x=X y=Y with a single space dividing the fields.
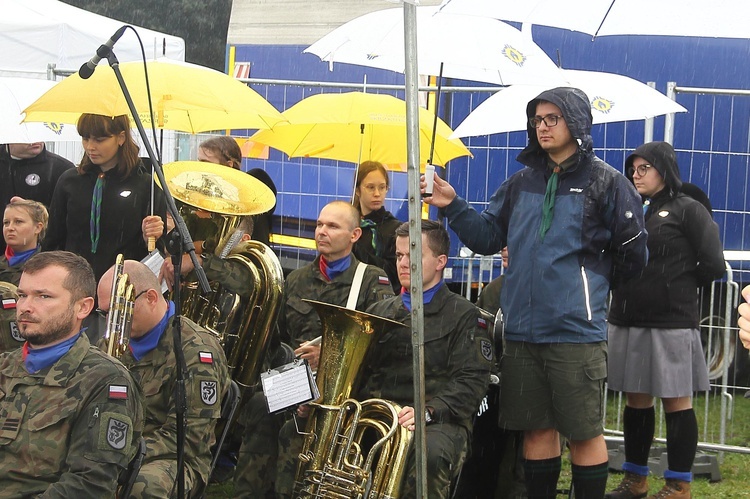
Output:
x=243 y=321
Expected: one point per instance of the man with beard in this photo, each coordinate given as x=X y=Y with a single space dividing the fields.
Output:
x=70 y=416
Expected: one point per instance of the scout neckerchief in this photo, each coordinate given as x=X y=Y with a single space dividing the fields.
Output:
x=142 y=345
x=331 y=270
x=36 y=359
x=96 y=212
x=427 y=295
x=15 y=259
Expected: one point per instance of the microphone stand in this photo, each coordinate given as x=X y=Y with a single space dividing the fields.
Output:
x=180 y=241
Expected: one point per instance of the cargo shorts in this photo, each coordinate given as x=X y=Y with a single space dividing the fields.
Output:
x=554 y=385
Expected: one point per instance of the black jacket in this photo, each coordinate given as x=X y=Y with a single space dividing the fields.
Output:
x=125 y=203
x=685 y=252
x=383 y=253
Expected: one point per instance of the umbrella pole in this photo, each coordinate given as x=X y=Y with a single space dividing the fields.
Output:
x=415 y=239
x=187 y=245
x=437 y=106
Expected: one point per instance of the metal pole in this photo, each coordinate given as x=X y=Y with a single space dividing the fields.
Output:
x=415 y=238
x=648 y=126
x=669 y=119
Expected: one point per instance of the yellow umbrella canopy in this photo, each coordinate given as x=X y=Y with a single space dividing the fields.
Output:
x=186 y=97
x=357 y=127
x=217 y=188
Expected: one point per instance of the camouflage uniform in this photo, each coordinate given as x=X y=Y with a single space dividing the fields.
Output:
x=458 y=357
x=207 y=382
x=298 y=322
x=69 y=429
x=10 y=337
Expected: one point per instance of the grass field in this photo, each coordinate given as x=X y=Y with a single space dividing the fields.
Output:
x=735 y=468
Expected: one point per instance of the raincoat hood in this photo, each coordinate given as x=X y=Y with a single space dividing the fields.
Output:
x=662 y=156
x=575 y=107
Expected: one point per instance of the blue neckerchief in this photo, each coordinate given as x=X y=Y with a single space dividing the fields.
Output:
x=427 y=295
x=142 y=345
x=15 y=259
x=36 y=359
x=336 y=267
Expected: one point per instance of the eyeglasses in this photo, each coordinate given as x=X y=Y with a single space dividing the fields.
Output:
x=371 y=188
x=641 y=169
x=103 y=313
x=550 y=120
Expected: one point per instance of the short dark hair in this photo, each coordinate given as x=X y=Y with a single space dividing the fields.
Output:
x=437 y=236
x=80 y=280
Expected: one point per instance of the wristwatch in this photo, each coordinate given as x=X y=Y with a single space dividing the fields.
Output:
x=428 y=416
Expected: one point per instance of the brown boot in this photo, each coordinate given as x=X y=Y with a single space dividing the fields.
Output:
x=632 y=486
x=673 y=489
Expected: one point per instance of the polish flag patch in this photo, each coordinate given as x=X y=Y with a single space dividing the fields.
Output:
x=206 y=357
x=482 y=323
x=9 y=303
x=383 y=280
x=118 y=392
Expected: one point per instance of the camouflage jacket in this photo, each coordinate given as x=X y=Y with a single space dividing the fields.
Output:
x=10 y=336
x=300 y=322
x=8 y=273
x=69 y=429
x=458 y=357
x=207 y=382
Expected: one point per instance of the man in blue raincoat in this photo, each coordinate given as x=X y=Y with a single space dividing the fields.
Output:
x=575 y=228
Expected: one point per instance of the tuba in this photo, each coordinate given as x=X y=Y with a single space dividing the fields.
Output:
x=242 y=319
x=352 y=449
x=120 y=315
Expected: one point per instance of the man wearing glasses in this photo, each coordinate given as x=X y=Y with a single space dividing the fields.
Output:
x=575 y=227
x=150 y=358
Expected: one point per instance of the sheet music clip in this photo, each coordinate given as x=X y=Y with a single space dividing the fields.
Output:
x=288 y=386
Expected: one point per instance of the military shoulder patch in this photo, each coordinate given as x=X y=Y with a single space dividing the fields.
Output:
x=206 y=357
x=15 y=332
x=115 y=432
x=485 y=347
x=482 y=322
x=209 y=392
x=9 y=303
x=118 y=392
x=383 y=280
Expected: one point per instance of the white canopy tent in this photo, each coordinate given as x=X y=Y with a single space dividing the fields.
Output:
x=35 y=33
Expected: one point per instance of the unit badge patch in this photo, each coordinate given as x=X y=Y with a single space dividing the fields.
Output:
x=117 y=433
x=209 y=392
x=486 y=349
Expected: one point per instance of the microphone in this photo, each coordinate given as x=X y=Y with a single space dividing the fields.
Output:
x=103 y=51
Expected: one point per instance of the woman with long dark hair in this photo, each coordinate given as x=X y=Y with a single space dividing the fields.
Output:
x=103 y=207
x=377 y=245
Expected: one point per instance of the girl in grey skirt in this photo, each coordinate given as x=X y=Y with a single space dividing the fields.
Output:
x=654 y=343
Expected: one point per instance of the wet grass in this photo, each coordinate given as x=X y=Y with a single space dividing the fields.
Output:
x=735 y=479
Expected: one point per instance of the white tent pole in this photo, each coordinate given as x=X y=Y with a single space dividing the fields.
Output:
x=415 y=237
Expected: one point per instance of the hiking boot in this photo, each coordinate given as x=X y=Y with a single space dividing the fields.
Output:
x=673 y=489
x=632 y=486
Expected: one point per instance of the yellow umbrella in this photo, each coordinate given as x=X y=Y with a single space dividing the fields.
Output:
x=357 y=127
x=185 y=97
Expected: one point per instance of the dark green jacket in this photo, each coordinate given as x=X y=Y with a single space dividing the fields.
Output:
x=458 y=356
x=299 y=321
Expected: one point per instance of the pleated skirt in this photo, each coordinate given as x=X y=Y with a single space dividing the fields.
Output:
x=664 y=363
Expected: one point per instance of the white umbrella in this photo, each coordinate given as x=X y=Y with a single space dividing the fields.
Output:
x=469 y=47
x=15 y=95
x=613 y=98
x=717 y=18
